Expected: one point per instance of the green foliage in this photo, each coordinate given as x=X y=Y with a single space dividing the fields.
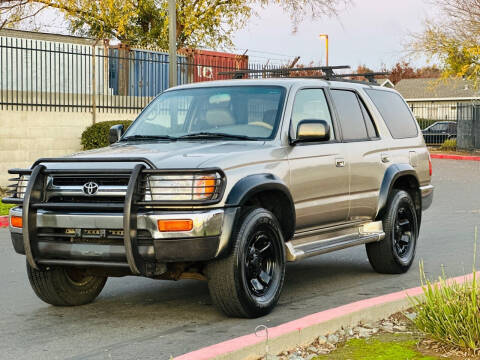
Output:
x=4 y=208
x=200 y=23
x=96 y=136
x=450 y=312
x=449 y=144
x=380 y=347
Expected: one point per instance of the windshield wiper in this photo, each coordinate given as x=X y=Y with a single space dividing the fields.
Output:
x=148 y=137
x=211 y=135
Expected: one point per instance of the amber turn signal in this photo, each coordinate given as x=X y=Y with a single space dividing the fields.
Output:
x=16 y=221
x=205 y=186
x=175 y=225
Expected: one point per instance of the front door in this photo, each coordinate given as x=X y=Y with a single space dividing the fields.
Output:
x=318 y=171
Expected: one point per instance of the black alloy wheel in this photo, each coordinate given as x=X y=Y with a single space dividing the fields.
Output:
x=263 y=260
x=396 y=252
x=249 y=280
x=403 y=231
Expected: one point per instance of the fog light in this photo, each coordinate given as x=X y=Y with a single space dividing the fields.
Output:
x=16 y=221
x=175 y=225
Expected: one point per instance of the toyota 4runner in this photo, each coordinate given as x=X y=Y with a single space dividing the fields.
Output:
x=227 y=181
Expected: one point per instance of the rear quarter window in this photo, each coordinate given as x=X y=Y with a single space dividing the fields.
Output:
x=395 y=113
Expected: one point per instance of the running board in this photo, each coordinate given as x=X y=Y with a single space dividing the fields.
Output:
x=317 y=245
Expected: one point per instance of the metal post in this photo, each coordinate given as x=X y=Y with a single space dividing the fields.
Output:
x=94 y=84
x=326 y=46
x=172 y=42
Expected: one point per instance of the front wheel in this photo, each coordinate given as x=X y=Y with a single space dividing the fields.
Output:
x=248 y=282
x=395 y=253
x=65 y=286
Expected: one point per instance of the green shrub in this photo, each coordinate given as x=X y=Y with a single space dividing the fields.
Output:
x=96 y=136
x=450 y=311
x=4 y=208
x=449 y=144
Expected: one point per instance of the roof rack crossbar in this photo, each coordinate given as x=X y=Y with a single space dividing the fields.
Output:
x=327 y=70
x=370 y=76
x=327 y=73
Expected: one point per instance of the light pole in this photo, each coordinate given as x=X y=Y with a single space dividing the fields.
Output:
x=326 y=45
x=172 y=42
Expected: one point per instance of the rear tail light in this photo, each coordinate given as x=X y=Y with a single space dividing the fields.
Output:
x=430 y=168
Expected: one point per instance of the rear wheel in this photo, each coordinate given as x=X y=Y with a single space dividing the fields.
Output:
x=65 y=286
x=395 y=253
x=248 y=282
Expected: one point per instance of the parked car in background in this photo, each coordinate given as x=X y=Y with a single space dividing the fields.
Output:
x=440 y=131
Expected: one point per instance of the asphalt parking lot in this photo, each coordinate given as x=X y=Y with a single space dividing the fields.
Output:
x=138 y=318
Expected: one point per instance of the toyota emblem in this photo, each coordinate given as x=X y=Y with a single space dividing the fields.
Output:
x=90 y=188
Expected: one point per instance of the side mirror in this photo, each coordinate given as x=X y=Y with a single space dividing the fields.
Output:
x=312 y=131
x=116 y=132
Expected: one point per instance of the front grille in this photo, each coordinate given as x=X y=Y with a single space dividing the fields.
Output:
x=87 y=199
x=81 y=180
x=110 y=189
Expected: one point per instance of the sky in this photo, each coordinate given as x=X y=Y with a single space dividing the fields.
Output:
x=370 y=32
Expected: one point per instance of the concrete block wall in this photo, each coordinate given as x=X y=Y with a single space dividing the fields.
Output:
x=28 y=135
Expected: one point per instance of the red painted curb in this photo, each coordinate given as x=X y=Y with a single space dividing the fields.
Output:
x=229 y=346
x=3 y=221
x=455 y=157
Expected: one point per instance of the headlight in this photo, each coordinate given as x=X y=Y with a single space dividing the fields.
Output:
x=182 y=187
x=22 y=186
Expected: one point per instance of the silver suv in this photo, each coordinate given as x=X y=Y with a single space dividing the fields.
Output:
x=226 y=182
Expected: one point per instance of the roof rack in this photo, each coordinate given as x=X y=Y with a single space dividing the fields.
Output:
x=327 y=70
x=327 y=73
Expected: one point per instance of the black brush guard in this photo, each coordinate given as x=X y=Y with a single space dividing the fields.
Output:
x=34 y=195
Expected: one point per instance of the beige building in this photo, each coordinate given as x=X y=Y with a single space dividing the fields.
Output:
x=438 y=99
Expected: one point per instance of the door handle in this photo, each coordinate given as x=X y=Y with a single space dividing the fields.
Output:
x=340 y=162
x=385 y=157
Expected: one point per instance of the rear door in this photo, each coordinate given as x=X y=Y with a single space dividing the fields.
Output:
x=318 y=175
x=367 y=157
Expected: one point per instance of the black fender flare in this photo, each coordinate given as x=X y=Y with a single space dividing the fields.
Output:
x=251 y=185
x=392 y=173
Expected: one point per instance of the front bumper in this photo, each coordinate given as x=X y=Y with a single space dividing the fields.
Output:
x=206 y=241
x=81 y=231
x=427 y=196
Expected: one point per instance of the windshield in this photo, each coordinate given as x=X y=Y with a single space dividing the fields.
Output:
x=240 y=112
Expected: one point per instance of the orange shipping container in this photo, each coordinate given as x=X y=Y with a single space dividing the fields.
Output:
x=207 y=64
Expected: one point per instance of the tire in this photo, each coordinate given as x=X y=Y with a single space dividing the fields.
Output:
x=249 y=281
x=395 y=253
x=65 y=286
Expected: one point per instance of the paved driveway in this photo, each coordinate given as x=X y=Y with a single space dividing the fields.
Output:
x=145 y=319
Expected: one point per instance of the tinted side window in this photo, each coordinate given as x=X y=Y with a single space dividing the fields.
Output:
x=311 y=104
x=372 y=132
x=395 y=113
x=350 y=115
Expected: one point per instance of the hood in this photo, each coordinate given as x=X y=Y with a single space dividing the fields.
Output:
x=185 y=154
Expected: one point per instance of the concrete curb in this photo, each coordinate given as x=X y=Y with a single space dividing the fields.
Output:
x=3 y=221
x=307 y=329
x=455 y=157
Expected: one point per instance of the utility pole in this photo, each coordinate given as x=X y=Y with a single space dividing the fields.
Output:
x=326 y=46
x=172 y=42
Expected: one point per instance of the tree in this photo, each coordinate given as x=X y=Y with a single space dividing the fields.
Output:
x=209 y=23
x=453 y=38
x=13 y=12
